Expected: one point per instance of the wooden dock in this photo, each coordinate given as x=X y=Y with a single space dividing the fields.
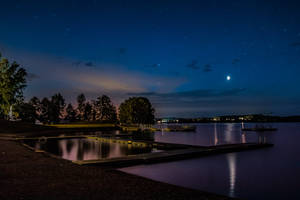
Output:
x=54 y=137
x=169 y=151
x=172 y=155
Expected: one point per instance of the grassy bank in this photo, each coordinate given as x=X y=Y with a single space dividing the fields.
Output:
x=9 y=127
x=28 y=129
x=83 y=125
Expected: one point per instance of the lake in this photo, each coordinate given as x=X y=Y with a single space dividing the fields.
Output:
x=271 y=173
x=87 y=149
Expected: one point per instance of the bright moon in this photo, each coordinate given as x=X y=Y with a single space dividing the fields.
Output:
x=228 y=78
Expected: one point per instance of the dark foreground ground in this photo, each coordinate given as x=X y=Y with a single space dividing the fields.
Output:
x=25 y=174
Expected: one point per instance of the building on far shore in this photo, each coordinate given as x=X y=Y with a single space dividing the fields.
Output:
x=231 y=119
x=168 y=120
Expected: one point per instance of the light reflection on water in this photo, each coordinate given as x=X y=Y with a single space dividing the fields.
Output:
x=271 y=173
x=214 y=134
x=231 y=159
x=88 y=149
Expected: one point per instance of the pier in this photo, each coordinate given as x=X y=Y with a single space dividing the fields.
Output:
x=167 y=151
x=171 y=152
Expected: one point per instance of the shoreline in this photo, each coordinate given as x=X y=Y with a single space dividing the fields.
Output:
x=30 y=175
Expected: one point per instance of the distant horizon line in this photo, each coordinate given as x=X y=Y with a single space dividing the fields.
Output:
x=229 y=115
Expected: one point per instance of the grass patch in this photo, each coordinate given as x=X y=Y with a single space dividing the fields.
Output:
x=82 y=125
x=21 y=127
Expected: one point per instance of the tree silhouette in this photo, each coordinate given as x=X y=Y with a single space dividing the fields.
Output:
x=56 y=108
x=26 y=112
x=71 y=113
x=87 y=112
x=36 y=103
x=45 y=107
x=105 y=110
x=81 y=106
x=52 y=111
x=136 y=110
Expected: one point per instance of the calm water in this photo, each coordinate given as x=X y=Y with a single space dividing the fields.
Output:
x=87 y=149
x=214 y=134
x=271 y=173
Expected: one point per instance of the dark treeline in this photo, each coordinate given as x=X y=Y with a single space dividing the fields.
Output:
x=135 y=110
x=54 y=109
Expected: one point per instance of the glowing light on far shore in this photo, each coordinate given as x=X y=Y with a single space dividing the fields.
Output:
x=228 y=78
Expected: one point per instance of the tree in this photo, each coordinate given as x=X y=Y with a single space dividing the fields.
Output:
x=45 y=107
x=136 y=110
x=26 y=112
x=56 y=108
x=12 y=84
x=52 y=110
x=81 y=106
x=29 y=112
x=87 y=116
x=71 y=113
x=94 y=110
x=105 y=110
x=35 y=102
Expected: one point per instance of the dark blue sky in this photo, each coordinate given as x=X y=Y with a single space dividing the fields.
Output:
x=177 y=53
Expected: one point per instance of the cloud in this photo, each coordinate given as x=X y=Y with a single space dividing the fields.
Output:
x=205 y=103
x=32 y=76
x=143 y=94
x=295 y=44
x=153 y=65
x=212 y=102
x=193 y=93
x=62 y=75
x=76 y=63
x=120 y=82
x=193 y=65
x=123 y=51
x=89 y=64
x=175 y=73
x=235 y=61
x=99 y=81
x=207 y=68
x=195 y=103
x=113 y=80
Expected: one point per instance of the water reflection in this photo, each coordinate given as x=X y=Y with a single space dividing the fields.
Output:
x=231 y=159
x=88 y=149
x=243 y=138
x=217 y=134
x=214 y=134
x=271 y=173
x=229 y=137
x=216 y=139
x=262 y=138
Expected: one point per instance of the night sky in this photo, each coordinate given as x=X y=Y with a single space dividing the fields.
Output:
x=176 y=53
